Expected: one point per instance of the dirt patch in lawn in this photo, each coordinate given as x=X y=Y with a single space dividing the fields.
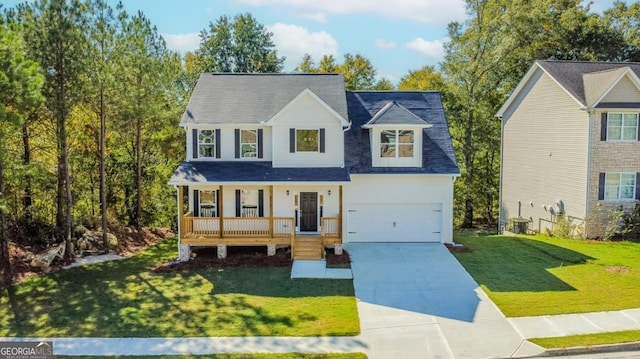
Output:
x=617 y=269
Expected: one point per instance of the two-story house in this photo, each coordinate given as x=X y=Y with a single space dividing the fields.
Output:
x=295 y=160
x=571 y=144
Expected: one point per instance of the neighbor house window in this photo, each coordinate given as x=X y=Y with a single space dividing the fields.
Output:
x=248 y=143
x=396 y=143
x=207 y=203
x=249 y=202
x=307 y=141
x=622 y=127
x=206 y=143
x=620 y=186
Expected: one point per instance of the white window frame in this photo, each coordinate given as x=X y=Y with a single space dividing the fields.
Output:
x=317 y=150
x=211 y=144
x=622 y=127
x=618 y=187
x=253 y=144
x=397 y=144
x=211 y=207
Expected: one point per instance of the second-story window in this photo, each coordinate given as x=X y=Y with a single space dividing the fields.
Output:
x=248 y=143
x=307 y=141
x=622 y=127
x=207 y=143
x=396 y=143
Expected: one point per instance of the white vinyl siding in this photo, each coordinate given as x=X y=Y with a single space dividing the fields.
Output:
x=544 y=155
x=623 y=91
x=307 y=114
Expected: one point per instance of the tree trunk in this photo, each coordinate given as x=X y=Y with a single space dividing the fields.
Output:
x=138 y=173
x=469 y=171
x=26 y=161
x=5 y=261
x=103 y=174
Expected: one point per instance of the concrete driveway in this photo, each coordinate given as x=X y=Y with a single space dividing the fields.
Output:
x=416 y=301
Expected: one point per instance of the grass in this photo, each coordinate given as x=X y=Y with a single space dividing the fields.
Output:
x=127 y=299
x=527 y=276
x=627 y=336
x=240 y=356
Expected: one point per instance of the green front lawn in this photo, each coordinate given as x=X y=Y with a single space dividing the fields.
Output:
x=527 y=275
x=585 y=340
x=127 y=299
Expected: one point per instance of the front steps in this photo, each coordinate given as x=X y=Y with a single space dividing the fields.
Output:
x=308 y=248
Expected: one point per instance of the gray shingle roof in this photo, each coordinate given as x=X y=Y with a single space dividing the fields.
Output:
x=569 y=74
x=395 y=114
x=438 y=156
x=255 y=171
x=252 y=98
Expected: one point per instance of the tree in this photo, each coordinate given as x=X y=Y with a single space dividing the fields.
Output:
x=626 y=20
x=359 y=73
x=20 y=83
x=424 y=79
x=103 y=52
x=238 y=45
x=54 y=36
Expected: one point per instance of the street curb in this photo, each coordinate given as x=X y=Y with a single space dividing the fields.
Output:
x=592 y=349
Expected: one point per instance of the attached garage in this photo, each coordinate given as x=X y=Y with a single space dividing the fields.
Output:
x=394 y=222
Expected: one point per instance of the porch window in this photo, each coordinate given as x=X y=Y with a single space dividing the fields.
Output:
x=396 y=143
x=207 y=143
x=249 y=201
x=208 y=204
x=620 y=186
x=248 y=143
x=622 y=127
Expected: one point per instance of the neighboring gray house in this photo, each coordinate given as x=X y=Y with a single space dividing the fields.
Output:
x=570 y=144
x=295 y=160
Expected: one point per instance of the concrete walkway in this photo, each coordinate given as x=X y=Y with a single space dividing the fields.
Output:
x=414 y=301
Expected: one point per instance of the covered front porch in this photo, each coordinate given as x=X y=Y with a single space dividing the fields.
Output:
x=256 y=215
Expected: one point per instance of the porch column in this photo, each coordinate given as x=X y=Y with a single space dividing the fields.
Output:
x=340 y=213
x=221 y=214
x=271 y=211
x=184 y=251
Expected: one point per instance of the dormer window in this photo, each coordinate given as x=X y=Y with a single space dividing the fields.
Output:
x=396 y=143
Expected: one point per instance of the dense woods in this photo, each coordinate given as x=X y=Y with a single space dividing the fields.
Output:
x=90 y=99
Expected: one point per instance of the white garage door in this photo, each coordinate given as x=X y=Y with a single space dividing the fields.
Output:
x=394 y=222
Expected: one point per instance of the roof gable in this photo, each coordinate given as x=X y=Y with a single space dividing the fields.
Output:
x=580 y=79
x=254 y=98
x=303 y=94
x=394 y=114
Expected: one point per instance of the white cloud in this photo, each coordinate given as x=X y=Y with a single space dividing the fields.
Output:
x=433 y=50
x=294 y=41
x=385 y=44
x=182 y=43
x=435 y=12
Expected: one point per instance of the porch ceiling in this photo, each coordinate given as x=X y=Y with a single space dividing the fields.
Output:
x=256 y=171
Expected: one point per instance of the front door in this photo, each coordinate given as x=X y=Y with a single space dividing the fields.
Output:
x=308 y=211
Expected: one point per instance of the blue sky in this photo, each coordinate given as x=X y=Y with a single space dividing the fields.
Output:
x=395 y=35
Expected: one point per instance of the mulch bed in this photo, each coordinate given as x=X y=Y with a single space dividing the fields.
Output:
x=244 y=257
x=457 y=248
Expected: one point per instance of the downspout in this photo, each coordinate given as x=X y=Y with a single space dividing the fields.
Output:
x=591 y=114
x=500 y=180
